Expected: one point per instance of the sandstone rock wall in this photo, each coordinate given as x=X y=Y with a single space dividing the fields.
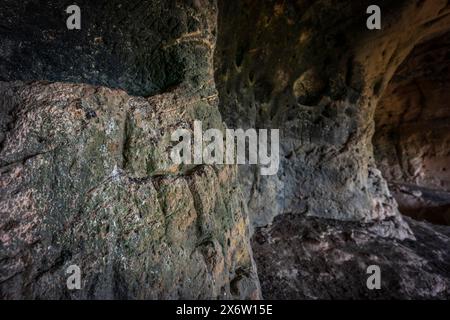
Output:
x=312 y=69
x=86 y=178
x=140 y=46
x=412 y=135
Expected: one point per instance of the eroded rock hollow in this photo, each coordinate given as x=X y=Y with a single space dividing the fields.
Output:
x=86 y=118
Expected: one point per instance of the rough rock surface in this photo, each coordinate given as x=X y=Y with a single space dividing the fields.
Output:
x=85 y=180
x=313 y=70
x=412 y=135
x=311 y=258
x=85 y=124
x=140 y=46
x=85 y=171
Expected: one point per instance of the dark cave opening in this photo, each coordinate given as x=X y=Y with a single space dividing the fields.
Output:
x=412 y=136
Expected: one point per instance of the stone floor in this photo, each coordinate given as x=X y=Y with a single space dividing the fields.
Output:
x=310 y=258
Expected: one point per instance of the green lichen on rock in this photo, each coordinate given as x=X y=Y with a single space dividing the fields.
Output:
x=87 y=197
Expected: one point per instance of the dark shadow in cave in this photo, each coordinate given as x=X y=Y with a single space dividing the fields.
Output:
x=122 y=44
x=412 y=135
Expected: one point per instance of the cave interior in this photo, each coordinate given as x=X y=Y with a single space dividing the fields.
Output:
x=412 y=135
x=85 y=123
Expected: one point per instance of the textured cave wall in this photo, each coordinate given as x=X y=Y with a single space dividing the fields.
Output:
x=313 y=70
x=140 y=46
x=412 y=135
x=85 y=174
x=293 y=68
